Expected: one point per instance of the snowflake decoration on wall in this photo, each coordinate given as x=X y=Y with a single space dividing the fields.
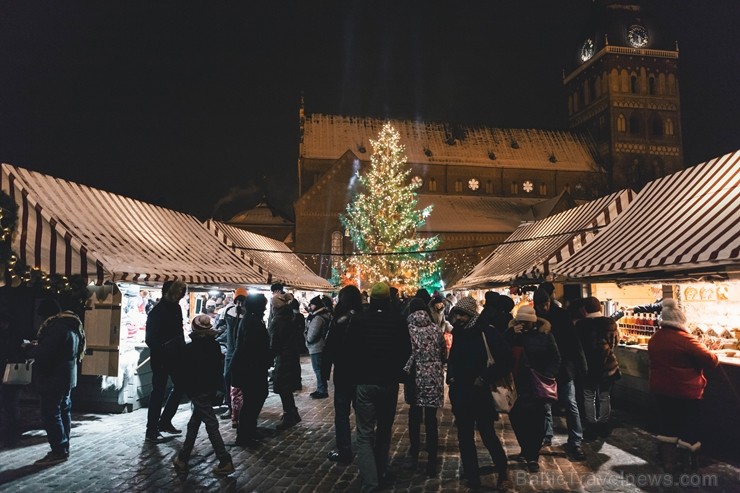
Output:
x=417 y=181
x=473 y=184
x=528 y=186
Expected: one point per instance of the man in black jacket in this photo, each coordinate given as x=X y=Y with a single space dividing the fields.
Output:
x=573 y=364
x=60 y=347
x=378 y=347
x=166 y=340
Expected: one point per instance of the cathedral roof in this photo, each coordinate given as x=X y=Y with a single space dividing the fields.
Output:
x=330 y=136
x=261 y=214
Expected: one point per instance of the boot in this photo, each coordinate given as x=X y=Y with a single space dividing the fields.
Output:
x=503 y=483
x=287 y=421
x=296 y=416
x=687 y=454
x=432 y=466
x=667 y=453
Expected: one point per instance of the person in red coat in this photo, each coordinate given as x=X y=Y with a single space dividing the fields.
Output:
x=677 y=363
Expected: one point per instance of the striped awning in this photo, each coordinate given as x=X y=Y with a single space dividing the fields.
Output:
x=269 y=257
x=72 y=229
x=686 y=221
x=531 y=252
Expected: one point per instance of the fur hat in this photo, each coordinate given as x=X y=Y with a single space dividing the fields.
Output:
x=591 y=304
x=202 y=326
x=467 y=305
x=380 y=290
x=526 y=314
x=281 y=300
x=672 y=315
x=317 y=301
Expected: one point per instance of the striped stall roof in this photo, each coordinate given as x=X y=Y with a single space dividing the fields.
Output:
x=270 y=257
x=531 y=252
x=684 y=221
x=72 y=229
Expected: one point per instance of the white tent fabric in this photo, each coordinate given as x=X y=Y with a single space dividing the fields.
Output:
x=270 y=257
x=683 y=221
x=72 y=229
x=531 y=252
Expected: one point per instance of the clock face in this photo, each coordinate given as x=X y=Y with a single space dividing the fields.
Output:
x=637 y=36
x=587 y=50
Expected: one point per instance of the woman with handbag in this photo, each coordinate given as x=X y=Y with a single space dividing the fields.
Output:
x=425 y=391
x=536 y=362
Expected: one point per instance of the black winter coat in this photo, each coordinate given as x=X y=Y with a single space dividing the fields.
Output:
x=536 y=349
x=203 y=373
x=468 y=358
x=55 y=369
x=252 y=356
x=573 y=360
x=286 y=340
x=335 y=350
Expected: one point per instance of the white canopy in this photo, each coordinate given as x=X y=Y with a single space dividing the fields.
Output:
x=72 y=229
x=686 y=221
x=532 y=251
x=270 y=257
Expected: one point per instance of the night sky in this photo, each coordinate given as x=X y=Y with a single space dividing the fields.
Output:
x=195 y=106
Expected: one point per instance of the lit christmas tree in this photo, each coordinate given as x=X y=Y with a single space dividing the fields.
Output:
x=382 y=221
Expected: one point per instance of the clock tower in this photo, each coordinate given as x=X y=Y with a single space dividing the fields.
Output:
x=622 y=89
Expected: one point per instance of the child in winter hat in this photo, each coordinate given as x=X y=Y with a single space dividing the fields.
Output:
x=672 y=315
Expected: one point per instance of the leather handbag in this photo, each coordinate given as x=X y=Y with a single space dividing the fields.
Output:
x=544 y=387
x=503 y=389
x=18 y=373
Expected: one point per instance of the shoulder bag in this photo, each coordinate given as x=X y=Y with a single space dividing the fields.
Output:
x=18 y=373
x=544 y=387
x=503 y=389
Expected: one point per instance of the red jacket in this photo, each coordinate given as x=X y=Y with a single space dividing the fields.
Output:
x=677 y=363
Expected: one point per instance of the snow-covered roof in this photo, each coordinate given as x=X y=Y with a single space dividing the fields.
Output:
x=457 y=214
x=261 y=214
x=270 y=257
x=68 y=228
x=330 y=136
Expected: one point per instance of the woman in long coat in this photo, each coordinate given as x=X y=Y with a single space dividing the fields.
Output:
x=286 y=340
x=426 y=392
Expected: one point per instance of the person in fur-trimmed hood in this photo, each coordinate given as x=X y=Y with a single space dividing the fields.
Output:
x=166 y=340
x=533 y=348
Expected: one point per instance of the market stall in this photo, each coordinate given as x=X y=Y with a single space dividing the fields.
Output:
x=529 y=254
x=680 y=238
x=126 y=249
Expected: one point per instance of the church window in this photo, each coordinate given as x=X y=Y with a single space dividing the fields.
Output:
x=336 y=248
x=458 y=185
x=543 y=188
x=624 y=81
x=656 y=126
x=671 y=84
x=661 y=84
x=514 y=188
x=668 y=126
x=621 y=123
x=489 y=186
x=634 y=124
x=633 y=84
x=651 y=85
x=432 y=184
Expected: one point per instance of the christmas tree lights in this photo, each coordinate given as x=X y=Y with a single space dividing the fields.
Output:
x=383 y=222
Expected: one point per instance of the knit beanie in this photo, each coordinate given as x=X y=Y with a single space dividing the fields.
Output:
x=317 y=302
x=672 y=315
x=467 y=305
x=491 y=298
x=526 y=314
x=592 y=304
x=380 y=290
x=541 y=296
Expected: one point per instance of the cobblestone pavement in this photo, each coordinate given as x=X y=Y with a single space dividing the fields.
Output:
x=109 y=454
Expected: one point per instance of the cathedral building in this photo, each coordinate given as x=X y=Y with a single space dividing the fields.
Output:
x=623 y=129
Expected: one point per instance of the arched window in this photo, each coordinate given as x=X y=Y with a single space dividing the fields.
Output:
x=656 y=126
x=489 y=186
x=621 y=123
x=661 y=84
x=671 y=84
x=432 y=185
x=668 y=126
x=633 y=84
x=458 y=185
x=624 y=81
x=651 y=85
x=634 y=124
x=336 y=248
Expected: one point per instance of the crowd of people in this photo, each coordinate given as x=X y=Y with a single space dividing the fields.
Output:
x=370 y=344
